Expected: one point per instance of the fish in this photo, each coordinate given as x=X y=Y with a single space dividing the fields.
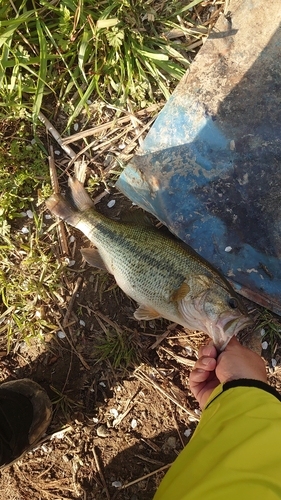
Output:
x=164 y=275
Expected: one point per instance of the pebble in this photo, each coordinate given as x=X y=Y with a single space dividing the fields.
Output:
x=25 y=230
x=71 y=239
x=273 y=362
x=264 y=345
x=134 y=423
x=30 y=214
x=116 y=484
x=187 y=432
x=48 y=216
x=114 y=412
x=57 y=152
x=262 y=332
x=82 y=322
x=76 y=127
x=102 y=431
x=228 y=249
x=61 y=335
x=111 y=203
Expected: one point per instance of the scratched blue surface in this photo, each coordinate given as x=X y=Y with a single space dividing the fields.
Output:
x=215 y=180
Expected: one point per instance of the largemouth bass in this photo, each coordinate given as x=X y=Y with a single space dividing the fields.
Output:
x=164 y=275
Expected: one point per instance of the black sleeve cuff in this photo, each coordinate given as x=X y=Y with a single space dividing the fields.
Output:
x=245 y=382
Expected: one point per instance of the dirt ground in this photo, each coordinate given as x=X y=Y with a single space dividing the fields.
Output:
x=115 y=431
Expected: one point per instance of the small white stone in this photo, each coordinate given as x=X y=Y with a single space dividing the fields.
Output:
x=228 y=249
x=114 y=412
x=76 y=127
x=95 y=420
x=111 y=203
x=197 y=411
x=134 y=423
x=232 y=145
x=30 y=214
x=116 y=484
x=23 y=214
x=102 y=384
x=61 y=335
x=118 y=388
x=71 y=239
x=273 y=362
x=82 y=323
x=122 y=146
x=33 y=141
x=25 y=230
x=57 y=152
x=48 y=216
x=262 y=332
x=89 y=101
x=187 y=432
x=71 y=263
x=264 y=345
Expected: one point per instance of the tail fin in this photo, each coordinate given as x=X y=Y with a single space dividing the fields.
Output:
x=60 y=207
x=79 y=194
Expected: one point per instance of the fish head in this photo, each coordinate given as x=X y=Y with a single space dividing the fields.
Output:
x=215 y=309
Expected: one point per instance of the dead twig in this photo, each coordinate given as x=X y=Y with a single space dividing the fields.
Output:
x=50 y=128
x=84 y=363
x=164 y=335
x=100 y=473
x=167 y=466
x=179 y=359
x=71 y=302
x=55 y=185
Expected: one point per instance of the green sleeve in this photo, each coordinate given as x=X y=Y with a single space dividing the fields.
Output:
x=235 y=452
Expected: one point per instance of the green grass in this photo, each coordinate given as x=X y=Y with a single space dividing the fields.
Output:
x=29 y=273
x=118 y=346
x=271 y=326
x=73 y=51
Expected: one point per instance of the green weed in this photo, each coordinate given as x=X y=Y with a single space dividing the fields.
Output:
x=74 y=51
x=118 y=346
x=270 y=328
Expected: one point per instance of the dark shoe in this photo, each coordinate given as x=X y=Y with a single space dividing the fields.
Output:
x=25 y=414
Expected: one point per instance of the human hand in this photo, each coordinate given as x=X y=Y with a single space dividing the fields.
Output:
x=233 y=363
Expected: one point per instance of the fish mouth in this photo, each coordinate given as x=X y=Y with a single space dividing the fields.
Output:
x=225 y=329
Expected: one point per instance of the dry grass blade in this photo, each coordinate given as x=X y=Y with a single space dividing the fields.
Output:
x=113 y=123
x=147 y=380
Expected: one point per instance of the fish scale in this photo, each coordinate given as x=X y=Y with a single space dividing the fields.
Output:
x=165 y=276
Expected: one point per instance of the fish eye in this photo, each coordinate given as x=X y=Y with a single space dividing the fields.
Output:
x=233 y=303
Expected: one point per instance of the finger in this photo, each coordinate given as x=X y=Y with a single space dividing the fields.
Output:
x=197 y=376
x=207 y=350
x=205 y=363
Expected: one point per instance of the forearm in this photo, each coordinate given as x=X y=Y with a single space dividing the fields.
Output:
x=235 y=450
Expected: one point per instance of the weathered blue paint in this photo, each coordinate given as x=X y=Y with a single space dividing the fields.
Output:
x=211 y=168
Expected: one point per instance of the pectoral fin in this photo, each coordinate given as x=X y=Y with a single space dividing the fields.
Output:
x=180 y=293
x=146 y=313
x=92 y=256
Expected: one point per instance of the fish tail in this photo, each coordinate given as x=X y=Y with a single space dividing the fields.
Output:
x=79 y=194
x=61 y=208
